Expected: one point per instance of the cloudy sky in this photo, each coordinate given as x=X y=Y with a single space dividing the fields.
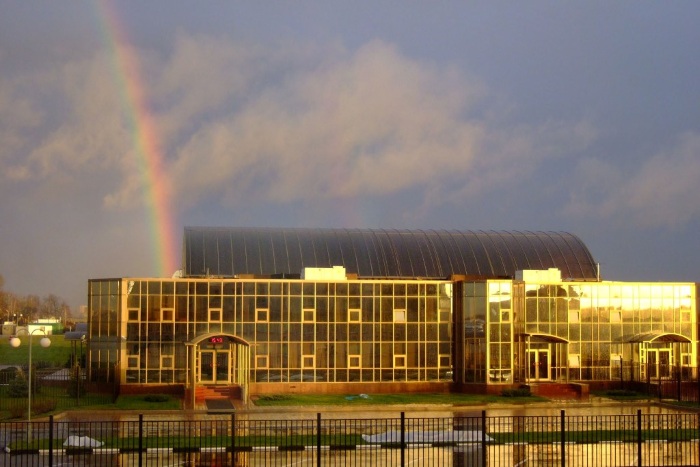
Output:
x=122 y=122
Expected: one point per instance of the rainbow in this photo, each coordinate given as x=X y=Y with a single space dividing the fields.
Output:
x=146 y=142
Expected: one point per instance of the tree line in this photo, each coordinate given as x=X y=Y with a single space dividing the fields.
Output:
x=25 y=309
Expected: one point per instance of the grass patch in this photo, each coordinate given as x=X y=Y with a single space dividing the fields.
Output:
x=390 y=399
x=595 y=436
x=56 y=355
x=147 y=402
x=49 y=402
x=142 y=402
x=198 y=441
x=131 y=402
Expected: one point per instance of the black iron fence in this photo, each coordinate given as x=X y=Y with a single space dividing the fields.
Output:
x=236 y=440
x=681 y=383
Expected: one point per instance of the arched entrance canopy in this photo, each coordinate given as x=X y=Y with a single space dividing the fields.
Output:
x=198 y=339
x=656 y=336
x=543 y=337
x=543 y=358
x=231 y=361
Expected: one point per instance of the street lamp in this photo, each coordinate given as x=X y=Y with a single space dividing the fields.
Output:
x=45 y=342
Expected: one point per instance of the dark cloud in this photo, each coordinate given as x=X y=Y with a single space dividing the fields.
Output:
x=546 y=116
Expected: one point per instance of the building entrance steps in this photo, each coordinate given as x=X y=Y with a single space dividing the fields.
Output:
x=203 y=393
x=554 y=390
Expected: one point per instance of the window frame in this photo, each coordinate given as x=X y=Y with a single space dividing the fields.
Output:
x=308 y=362
x=167 y=315
x=358 y=318
x=354 y=361
x=262 y=362
x=262 y=315
x=215 y=310
x=305 y=312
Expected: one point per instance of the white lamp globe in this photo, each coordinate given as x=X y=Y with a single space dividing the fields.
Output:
x=45 y=342
x=14 y=342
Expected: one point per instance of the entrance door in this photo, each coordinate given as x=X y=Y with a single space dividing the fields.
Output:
x=206 y=366
x=659 y=363
x=222 y=367
x=538 y=360
x=214 y=367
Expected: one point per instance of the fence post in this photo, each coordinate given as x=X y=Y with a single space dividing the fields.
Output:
x=483 y=439
x=318 y=439
x=50 y=439
x=140 y=440
x=233 y=439
x=563 y=439
x=639 y=437
x=403 y=439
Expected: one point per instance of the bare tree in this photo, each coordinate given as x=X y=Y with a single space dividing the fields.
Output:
x=12 y=305
x=27 y=308
x=30 y=308
x=52 y=306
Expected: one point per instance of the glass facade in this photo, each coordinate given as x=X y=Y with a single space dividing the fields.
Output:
x=294 y=330
x=516 y=332
x=104 y=328
x=493 y=332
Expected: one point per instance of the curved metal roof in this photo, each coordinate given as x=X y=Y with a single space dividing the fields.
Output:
x=215 y=251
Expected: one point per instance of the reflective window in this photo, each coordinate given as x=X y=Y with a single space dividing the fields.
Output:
x=591 y=324
x=294 y=326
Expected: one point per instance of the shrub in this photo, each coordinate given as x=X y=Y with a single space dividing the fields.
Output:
x=273 y=398
x=18 y=411
x=517 y=392
x=76 y=385
x=18 y=387
x=621 y=393
x=42 y=365
x=44 y=406
x=157 y=398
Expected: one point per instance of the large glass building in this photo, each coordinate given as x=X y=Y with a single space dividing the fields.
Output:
x=258 y=311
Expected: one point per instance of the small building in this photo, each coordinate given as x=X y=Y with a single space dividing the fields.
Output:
x=49 y=325
x=9 y=328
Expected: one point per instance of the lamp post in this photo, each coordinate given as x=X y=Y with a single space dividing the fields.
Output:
x=45 y=342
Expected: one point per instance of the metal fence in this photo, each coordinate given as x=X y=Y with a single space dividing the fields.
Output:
x=681 y=383
x=235 y=440
x=52 y=389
